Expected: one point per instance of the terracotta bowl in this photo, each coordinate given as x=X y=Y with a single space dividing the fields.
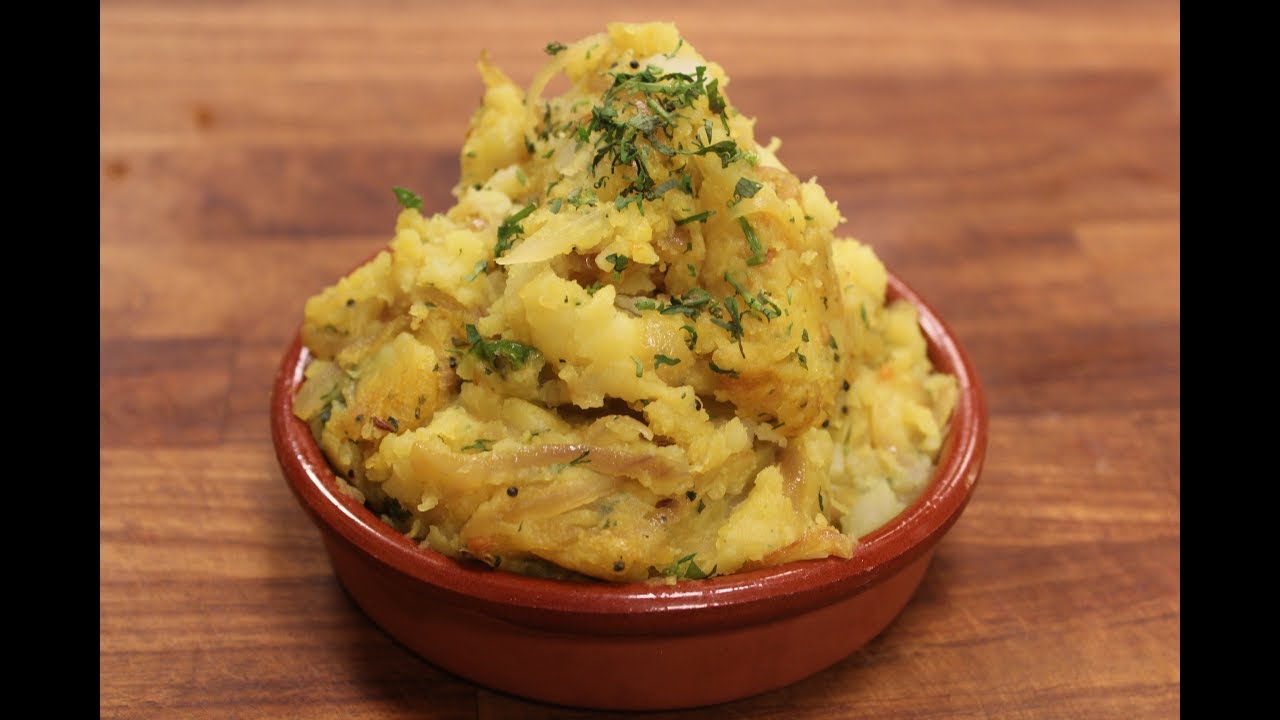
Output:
x=636 y=646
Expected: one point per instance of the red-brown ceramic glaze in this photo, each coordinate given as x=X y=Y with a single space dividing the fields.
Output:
x=637 y=646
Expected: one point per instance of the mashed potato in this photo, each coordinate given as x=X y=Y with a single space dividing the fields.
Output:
x=634 y=348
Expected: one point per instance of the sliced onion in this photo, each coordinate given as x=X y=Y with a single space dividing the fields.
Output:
x=450 y=468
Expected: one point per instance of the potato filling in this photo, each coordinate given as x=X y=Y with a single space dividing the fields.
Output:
x=635 y=347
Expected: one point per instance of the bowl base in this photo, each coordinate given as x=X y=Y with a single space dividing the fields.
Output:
x=664 y=672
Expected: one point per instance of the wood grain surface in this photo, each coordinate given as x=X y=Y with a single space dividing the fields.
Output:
x=1017 y=163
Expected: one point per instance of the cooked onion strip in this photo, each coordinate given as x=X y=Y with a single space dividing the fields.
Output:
x=815 y=544
x=467 y=469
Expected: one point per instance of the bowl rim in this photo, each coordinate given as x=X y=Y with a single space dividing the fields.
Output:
x=647 y=606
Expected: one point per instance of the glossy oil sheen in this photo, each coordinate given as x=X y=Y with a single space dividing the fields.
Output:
x=638 y=645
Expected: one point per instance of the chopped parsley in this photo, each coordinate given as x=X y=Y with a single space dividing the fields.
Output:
x=686 y=568
x=554 y=48
x=757 y=251
x=760 y=303
x=689 y=304
x=480 y=445
x=582 y=196
x=580 y=460
x=717 y=369
x=693 y=335
x=734 y=324
x=637 y=115
x=699 y=217
x=746 y=188
x=716 y=103
x=510 y=229
x=664 y=360
x=334 y=395
x=727 y=150
x=407 y=198
x=620 y=262
x=490 y=351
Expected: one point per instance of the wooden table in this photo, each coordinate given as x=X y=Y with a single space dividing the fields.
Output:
x=1017 y=163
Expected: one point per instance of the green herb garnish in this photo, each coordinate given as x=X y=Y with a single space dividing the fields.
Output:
x=638 y=114
x=760 y=303
x=516 y=354
x=716 y=103
x=717 y=369
x=664 y=360
x=619 y=262
x=757 y=252
x=734 y=324
x=580 y=460
x=746 y=188
x=407 y=198
x=582 y=196
x=480 y=445
x=686 y=568
x=699 y=217
x=693 y=335
x=510 y=229
x=689 y=304
x=334 y=395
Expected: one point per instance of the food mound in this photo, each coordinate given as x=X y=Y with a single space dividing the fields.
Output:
x=634 y=347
